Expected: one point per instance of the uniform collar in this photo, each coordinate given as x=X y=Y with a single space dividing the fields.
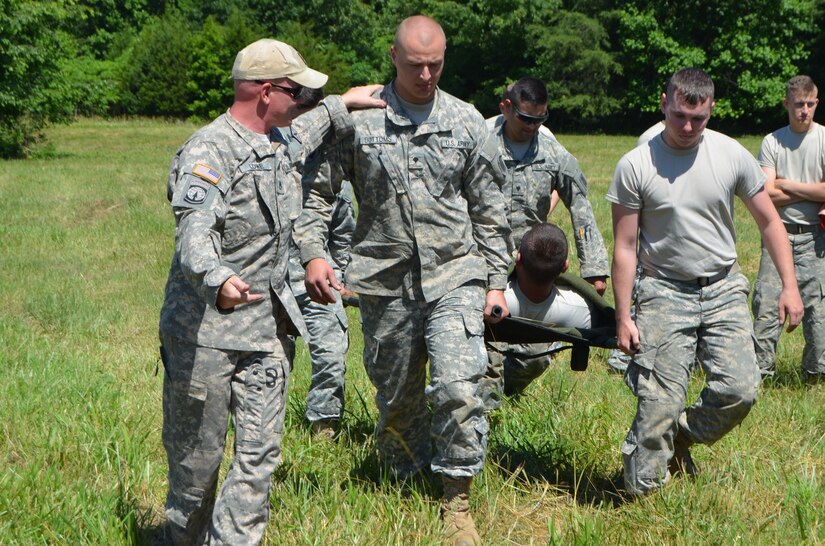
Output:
x=252 y=138
x=396 y=114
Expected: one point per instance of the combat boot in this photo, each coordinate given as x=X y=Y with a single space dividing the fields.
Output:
x=682 y=462
x=460 y=530
x=325 y=429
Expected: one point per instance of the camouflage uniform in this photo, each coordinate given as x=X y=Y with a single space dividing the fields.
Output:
x=809 y=265
x=527 y=185
x=234 y=201
x=327 y=324
x=431 y=231
x=678 y=321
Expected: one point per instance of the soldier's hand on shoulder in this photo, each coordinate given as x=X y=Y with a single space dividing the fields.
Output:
x=365 y=96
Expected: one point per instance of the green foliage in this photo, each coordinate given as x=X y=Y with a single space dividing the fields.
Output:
x=156 y=74
x=33 y=94
x=572 y=55
x=100 y=25
x=604 y=61
x=750 y=50
x=213 y=52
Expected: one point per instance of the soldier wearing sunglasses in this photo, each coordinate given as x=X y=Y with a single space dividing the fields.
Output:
x=528 y=165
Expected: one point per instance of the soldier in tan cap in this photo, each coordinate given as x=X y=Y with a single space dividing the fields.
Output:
x=228 y=310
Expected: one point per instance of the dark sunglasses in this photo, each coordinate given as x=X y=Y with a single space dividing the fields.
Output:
x=291 y=91
x=530 y=120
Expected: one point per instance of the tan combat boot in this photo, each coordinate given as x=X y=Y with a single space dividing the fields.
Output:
x=455 y=512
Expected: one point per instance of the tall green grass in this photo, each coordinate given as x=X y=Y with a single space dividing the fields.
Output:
x=85 y=242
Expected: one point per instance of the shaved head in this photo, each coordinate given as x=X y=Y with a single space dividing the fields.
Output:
x=421 y=29
x=418 y=56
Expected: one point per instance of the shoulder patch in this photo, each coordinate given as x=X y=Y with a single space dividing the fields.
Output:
x=207 y=173
x=377 y=140
x=195 y=193
x=449 y=142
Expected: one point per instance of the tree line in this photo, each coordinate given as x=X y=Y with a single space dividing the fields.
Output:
x=604 y=61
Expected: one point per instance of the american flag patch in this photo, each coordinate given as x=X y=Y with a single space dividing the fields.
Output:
x=207 y=173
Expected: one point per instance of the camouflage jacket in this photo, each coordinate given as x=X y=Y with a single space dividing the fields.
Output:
x=234 y=200
x=528 y=184
x=428 y=219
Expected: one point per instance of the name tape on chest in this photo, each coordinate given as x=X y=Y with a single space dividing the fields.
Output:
x=370 y=140
x=247 y=167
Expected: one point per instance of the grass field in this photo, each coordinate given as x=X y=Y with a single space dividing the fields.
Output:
x=85 y=243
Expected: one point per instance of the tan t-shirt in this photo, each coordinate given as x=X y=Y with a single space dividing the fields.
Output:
x=686 y=202
x=799 y=157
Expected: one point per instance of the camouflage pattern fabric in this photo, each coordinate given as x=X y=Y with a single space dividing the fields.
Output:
x=399 y=337
x=527 y=185
x=429 y=219
x=809 y=265
x=234 y=200
x=201 y=387
x=678 y=322
x=431 y=230
x=327 y=324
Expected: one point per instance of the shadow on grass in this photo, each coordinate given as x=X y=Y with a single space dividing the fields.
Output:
x=784 y=379
x=555 y=464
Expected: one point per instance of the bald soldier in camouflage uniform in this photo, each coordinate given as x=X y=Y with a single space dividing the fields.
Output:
x=228 y=311
x=528 y=165
x=430 y=240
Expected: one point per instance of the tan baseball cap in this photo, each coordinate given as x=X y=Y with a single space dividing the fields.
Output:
x=269 y=59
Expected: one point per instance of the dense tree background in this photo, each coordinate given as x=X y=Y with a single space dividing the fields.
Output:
x=604 y=61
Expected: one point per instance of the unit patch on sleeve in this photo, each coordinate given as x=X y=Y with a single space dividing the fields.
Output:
x=207 y=173
x=194 y=193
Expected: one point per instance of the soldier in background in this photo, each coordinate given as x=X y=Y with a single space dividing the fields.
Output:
x=793 y=158
x=429 y=261
x=327 y=324
x=228 y=311
x=528 y=166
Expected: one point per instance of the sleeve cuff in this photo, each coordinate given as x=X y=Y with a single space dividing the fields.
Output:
x=497 y=282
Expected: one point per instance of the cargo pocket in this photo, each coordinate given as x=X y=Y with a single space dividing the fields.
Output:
x=190 y=401
x=248 y=415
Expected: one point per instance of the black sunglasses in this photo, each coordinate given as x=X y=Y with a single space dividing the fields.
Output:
x=291 y=91
x=530 y=120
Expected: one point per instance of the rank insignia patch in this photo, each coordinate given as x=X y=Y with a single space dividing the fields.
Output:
x=207 y=173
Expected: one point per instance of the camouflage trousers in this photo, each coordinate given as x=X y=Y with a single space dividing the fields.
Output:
x=678 y=322
x=328 y=343
x=201 y=388
x=399 y=337
x=809 y=264
x=511 y=368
